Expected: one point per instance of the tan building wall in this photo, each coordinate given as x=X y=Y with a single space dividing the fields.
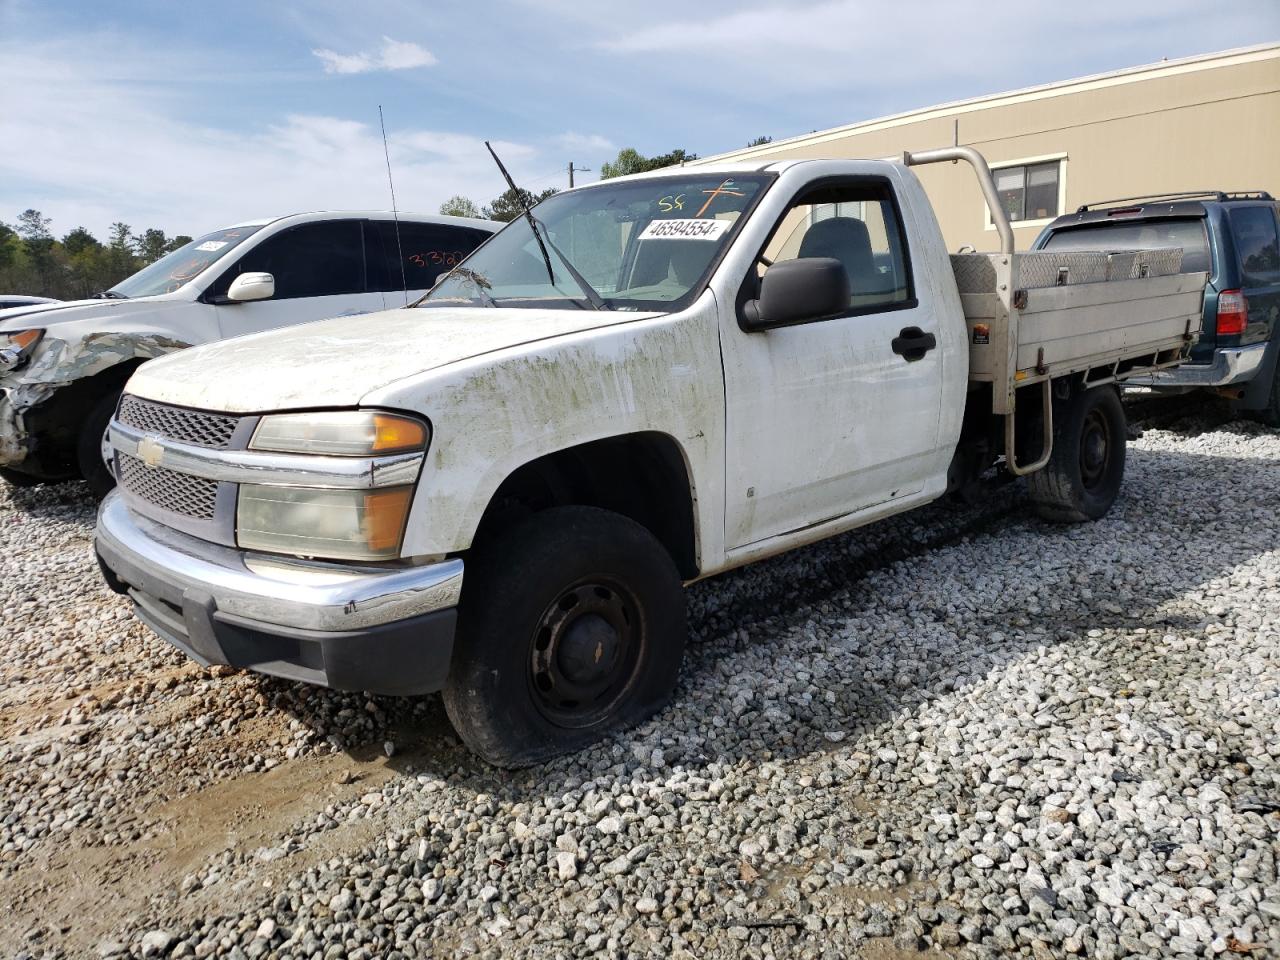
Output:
x=1210 y=122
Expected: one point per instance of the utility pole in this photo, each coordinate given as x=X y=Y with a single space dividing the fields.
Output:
x=572 y=169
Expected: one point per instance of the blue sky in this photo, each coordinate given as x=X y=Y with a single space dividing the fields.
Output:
x=190 y=115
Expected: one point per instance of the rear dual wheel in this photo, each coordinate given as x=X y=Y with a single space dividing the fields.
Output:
x=572 y=625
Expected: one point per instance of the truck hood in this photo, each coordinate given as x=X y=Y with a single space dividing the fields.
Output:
x=335 y=363
x=52 y=315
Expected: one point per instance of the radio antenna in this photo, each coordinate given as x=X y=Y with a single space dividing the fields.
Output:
x=395 y=214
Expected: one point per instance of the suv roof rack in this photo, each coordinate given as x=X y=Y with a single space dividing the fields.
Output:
x=1219 y=195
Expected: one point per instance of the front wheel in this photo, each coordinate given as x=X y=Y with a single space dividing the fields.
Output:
x=16 y=478
x=571 y=625
x=91 y=445
x=1082 y=478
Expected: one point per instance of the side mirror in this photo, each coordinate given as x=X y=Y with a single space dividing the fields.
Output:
x=252 y=286
x=793 y=291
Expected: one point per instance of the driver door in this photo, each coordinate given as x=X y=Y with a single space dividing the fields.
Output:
x=319 y=271
x=824 y=418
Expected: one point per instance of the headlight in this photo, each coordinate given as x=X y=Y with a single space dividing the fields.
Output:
x=16 y=347
x=341 y=524
x=339 y=433
x=323 y=522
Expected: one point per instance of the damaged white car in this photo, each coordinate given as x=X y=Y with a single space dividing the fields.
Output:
x=62 y=365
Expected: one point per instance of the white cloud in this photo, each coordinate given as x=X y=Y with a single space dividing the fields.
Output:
x=132 y=152
x=589 y=143
x=392 y=55
x=856 y=46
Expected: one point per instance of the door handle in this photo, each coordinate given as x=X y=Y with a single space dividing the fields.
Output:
x=912 y=343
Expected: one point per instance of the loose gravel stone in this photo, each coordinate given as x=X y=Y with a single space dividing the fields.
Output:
x=961 y=730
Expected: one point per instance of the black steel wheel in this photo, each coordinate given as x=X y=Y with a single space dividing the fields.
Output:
x=571 y=625
x=584 y=653
x=1097 y=447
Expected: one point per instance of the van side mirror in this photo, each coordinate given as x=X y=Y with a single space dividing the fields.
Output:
x=793 y=291
x=252 y=286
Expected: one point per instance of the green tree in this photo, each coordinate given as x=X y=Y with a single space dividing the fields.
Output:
x=512 y=203
x=38 y=245
x=33 y=262
x=459 y=206
x=630 y=160
x=9 y=242
x=151 y=245
x=121 y=237
x=79 y=240
x=121 y=260
x=759 y=141
x=33 y=227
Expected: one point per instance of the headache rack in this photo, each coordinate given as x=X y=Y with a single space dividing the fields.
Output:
x=1098 y=317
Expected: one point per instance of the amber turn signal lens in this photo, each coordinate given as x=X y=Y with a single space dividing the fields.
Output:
x=385 y=513
x=392 y=433
x=25 y=338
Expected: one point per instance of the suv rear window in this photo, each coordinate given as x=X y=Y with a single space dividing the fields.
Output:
x=1189 y=234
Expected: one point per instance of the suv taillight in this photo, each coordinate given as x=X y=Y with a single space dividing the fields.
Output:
x=1233 y=312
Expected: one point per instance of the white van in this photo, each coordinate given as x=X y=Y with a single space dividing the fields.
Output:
x=62 y=365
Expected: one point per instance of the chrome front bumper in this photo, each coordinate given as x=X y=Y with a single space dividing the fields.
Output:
x=380 y=629
x=1230 y=365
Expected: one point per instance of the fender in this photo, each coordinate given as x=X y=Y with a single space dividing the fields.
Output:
x=58 y=361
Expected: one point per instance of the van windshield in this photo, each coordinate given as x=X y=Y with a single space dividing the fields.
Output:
x=1188 y=233
x=646 y=244
x=182 y=265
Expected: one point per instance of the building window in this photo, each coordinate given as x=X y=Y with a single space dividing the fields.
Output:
x=1030 y=191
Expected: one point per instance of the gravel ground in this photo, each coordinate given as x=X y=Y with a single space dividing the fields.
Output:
x=962 y=732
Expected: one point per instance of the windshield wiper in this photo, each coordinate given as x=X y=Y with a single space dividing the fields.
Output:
x=593 y=295
x=594 y=298
x=109 y=295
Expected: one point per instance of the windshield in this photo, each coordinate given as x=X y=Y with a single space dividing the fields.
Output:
x=646 y=244
x=174 y=269
x=1189 y=234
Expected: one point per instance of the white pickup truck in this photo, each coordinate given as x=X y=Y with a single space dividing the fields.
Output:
x=499 y=492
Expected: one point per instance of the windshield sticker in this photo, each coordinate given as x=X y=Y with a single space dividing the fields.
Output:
x=685 y=230
x=209 y=246
x=671 y=202
x=725 y=189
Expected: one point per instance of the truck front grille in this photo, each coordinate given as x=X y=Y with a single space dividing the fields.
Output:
x=179 y=493
x=196 y=427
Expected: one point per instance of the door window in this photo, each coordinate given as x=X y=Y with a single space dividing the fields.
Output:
x=1254 y=230
x=312 y=260
x=857 y=224
x=426 y=250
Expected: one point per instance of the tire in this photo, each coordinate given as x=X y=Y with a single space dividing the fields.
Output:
x=1082 y=478
x=1270 y=414
x=541 y=604
x=89 y=452
x=16 y=478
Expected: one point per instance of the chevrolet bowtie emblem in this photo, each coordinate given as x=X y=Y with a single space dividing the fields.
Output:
x=150 y=452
